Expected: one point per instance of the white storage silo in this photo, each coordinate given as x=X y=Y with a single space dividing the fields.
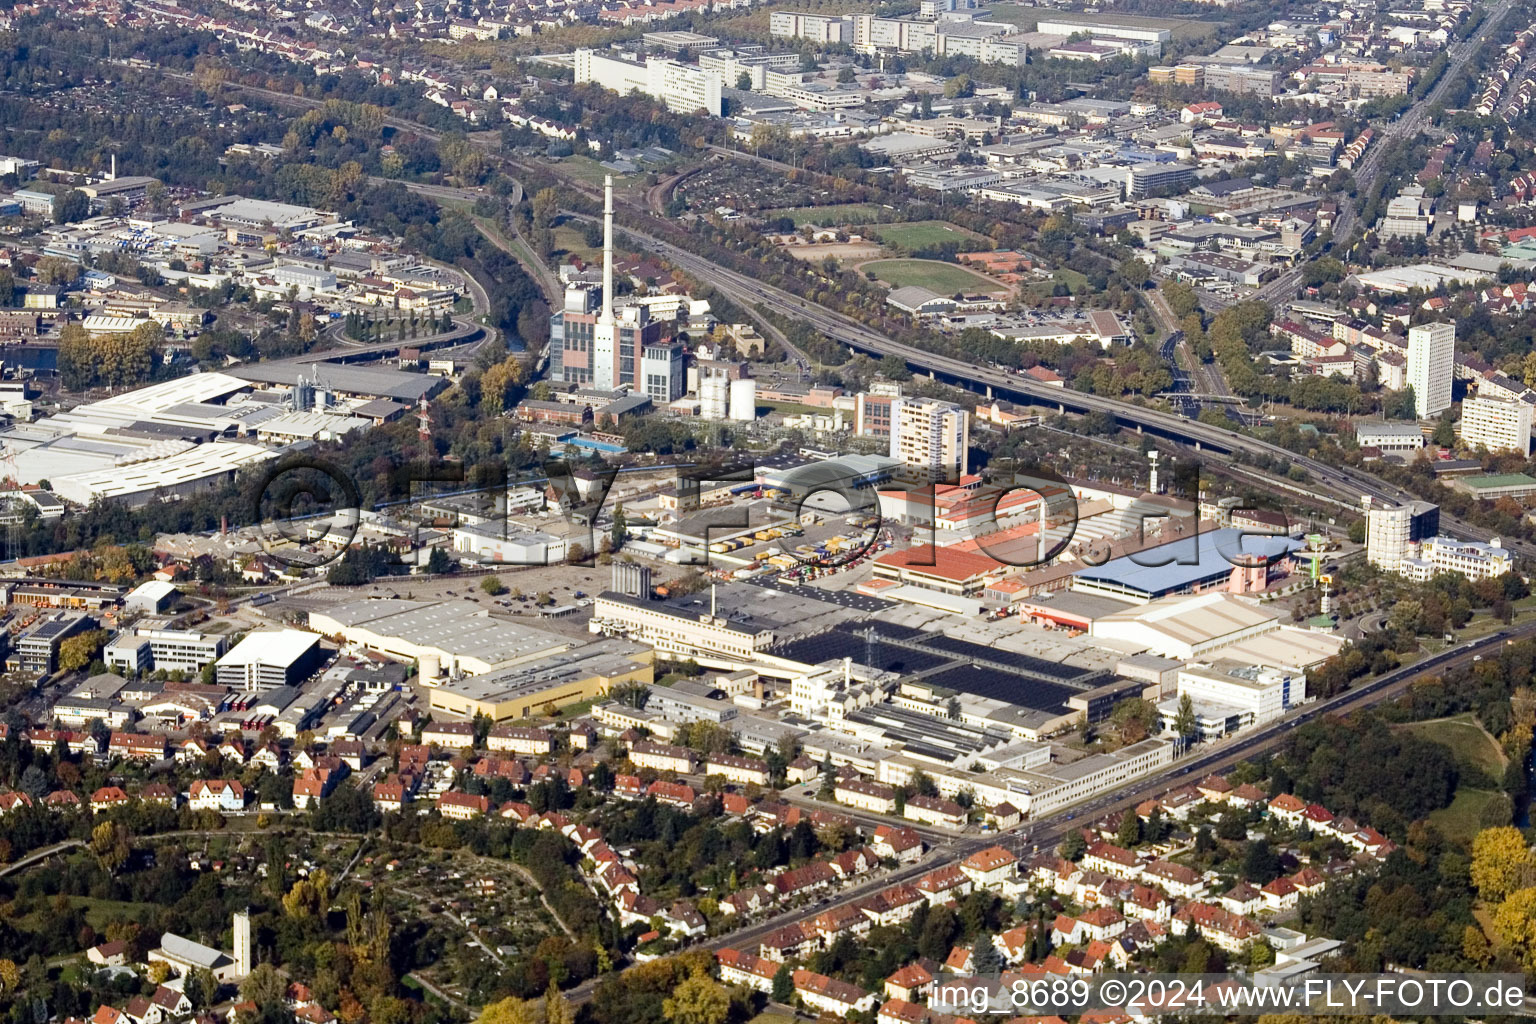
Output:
x=744 y=400
x=714 y=395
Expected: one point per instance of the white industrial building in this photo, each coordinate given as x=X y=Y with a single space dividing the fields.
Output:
x=195 y=469
x=1234 y=694
x=509 y=544
x=270 y=658
x=684 y=89
x=447 y=638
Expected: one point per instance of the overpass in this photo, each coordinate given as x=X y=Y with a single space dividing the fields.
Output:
x=1346 y=482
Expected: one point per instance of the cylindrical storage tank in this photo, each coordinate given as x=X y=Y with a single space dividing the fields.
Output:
x=431 y=669
x=713 y=397
x=744 y=400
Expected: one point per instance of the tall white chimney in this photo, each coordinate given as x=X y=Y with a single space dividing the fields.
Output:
x=113 y=176
x=607 y=313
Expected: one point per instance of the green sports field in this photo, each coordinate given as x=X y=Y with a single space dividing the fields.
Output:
x=944 y=278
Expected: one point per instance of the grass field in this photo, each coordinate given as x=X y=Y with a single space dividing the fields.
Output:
x=590 y=171
x=921 y=234
x=99 y=913
x=1028 y=17
x=1464 y=818
x=828 y=216
x=569 y=239
x=1467 y=740
x=944 y=278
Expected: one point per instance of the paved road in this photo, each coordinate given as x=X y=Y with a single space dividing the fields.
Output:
x=1338 y=481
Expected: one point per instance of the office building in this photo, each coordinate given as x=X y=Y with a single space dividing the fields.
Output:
x=1470 y=559
x=268 y=659
x=1497 y=424
x=817 y=28
x=931 y=438
x=1236 y=694
x=1431 y=367
x=1406 y=217
x=1148 y=178
x=38 y=649
x=1392 y=532
x=148 y=649
x=684 y=89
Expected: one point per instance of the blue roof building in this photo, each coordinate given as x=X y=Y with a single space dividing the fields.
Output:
x=1218 y=558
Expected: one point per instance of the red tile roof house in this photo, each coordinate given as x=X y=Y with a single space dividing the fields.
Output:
x=806 y=878
x=1246 y=795
x=14 y=802
x=944 y=885
x=1016 y=944
x=901 y=1011
x=61 y=800
x=903 y=845
x=789 y=943
x=912 y=982
x=1175 y=879
x=1287 y=808
x=1231 y=932
x=137 y=746
x=1281 y=894
x=991 y=868
x=390 y=796
x=108 y=797
x=1215 y=789
x=738 y=968
x=829 y=995
x=1115 y=861
x=891 y=905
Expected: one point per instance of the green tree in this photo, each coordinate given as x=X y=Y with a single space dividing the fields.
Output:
x=1073 y=846
x=783 y=984
x=70 y=207
x=493 y=586
x=1129 y=834
x=1184 y=719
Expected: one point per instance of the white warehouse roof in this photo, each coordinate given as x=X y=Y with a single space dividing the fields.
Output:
x=271 y=647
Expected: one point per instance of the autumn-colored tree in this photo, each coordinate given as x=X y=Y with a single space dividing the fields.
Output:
x=112 y=844
x=1515 y=923
x=309 y=896
x=497 y=383
x=698 y=999
x=10 y=976
x=78 y=651
x=1501 y=862
x=508 y=1011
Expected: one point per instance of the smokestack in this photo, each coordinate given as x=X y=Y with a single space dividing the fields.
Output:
x=114 y=168
x=607 y=314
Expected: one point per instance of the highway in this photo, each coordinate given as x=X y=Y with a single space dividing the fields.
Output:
x=1348 y=482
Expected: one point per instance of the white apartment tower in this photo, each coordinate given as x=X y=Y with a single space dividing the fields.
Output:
x=1431 y=367
x=1497 y=424
x=931 y=438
